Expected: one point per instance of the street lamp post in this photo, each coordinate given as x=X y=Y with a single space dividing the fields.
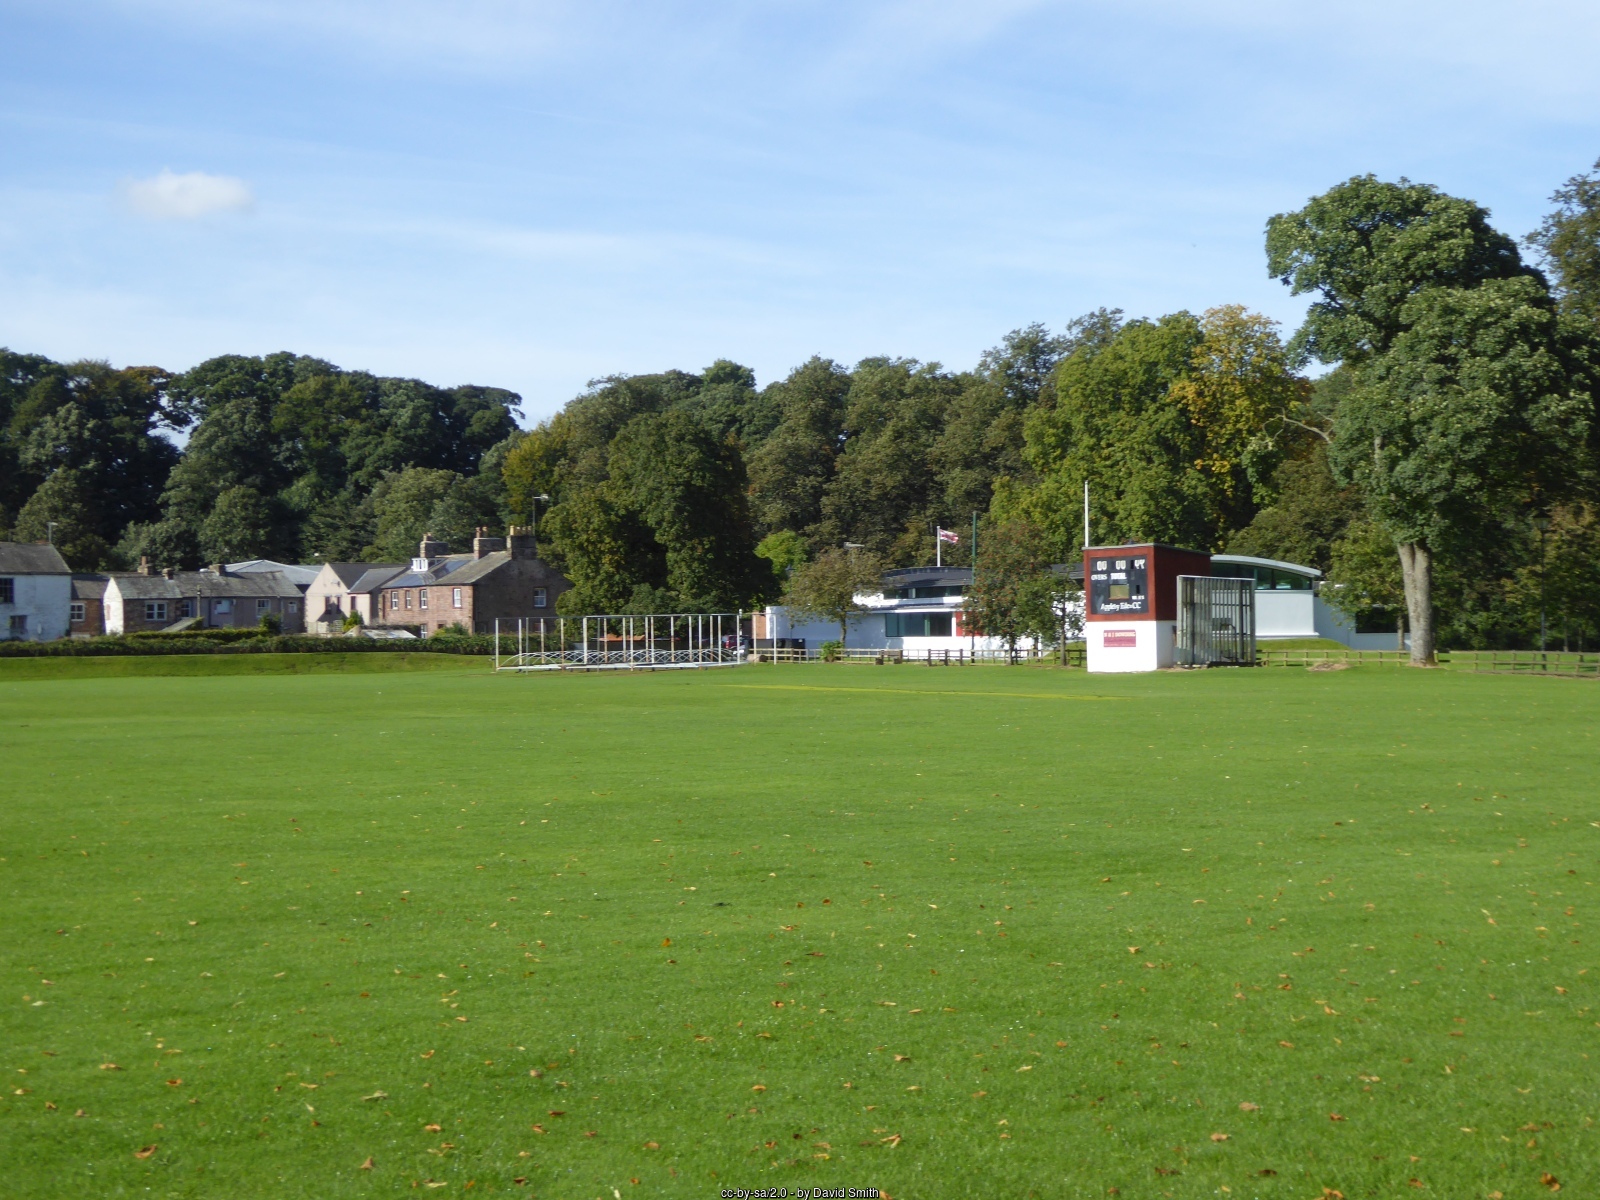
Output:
x=1542 y=524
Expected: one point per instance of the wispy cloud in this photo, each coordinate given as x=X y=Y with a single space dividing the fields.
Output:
x=187 y=197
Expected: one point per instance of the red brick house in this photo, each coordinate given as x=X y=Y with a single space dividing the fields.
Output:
x=503 y=578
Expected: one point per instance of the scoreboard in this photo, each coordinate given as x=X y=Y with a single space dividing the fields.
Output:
x=1119 y=584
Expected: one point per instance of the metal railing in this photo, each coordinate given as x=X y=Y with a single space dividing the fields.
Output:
x=1216 y=621
x=610 y=641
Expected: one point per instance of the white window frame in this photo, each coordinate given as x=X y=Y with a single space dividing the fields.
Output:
x=263 y=606
x=422 y=599
x=155 y=610
x=455 y=597
x=541 y=597
x=78 y=610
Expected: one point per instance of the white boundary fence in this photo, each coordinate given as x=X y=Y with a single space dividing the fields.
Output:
x=599 y=642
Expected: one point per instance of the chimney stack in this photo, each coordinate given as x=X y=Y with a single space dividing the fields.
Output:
x=428 y=550
x=483 y=544
x=219 y=568
x=520 y=541
x=144 y=565
x=166 y=572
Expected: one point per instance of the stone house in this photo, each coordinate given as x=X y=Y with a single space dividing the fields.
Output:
x=35 y=593
x=502 y=579
x=148 y=600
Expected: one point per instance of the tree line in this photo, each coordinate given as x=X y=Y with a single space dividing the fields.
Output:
x=1442 y=467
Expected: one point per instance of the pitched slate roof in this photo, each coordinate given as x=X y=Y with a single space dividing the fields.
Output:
x=254 y=585
x=376 y=577
x=24 y=558
x=294 y=572
x=352 y=572
x=89 y=587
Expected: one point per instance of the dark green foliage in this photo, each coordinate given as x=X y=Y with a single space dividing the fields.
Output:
x=670 y=517
x=1014 y=591
x=1115 y=425
x=883 y=493
x=81 y=445
x=1366 y=247
x=314 y=442
x=1310 y=513
x=1481 y=402
x=792 y=469
x=1569 y=242
x=241 y=524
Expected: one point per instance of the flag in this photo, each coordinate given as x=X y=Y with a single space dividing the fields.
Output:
x=946 y=535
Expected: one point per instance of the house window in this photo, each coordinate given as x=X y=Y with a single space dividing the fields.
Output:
x=394 y=601
x=916 y=625
x=223 y=607
x=19 y=625
x=422 y=597
x=541 y=597
x=80 y=611
x=186 y=608
x=292 y=606
x=155 y=610
x=455 y=597
x=263 y=605
x=8 y=591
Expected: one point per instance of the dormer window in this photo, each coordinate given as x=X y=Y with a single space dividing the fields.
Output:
x=420 y=565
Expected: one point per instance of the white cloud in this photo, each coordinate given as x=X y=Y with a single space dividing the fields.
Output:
x=186 y=197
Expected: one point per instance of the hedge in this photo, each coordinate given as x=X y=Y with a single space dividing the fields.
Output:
x=476 y=644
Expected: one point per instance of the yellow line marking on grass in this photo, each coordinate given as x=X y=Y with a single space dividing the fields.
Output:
x=804 y=687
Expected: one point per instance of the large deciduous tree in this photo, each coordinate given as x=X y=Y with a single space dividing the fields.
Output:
x=1469 y=395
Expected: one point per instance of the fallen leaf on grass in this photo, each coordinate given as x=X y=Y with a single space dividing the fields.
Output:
x=538 y=1128
x=902 y=1058
x=652 y=1145
x=891 y=1141
x=1549 y=1180
x=1246 y=1106
x=1416 y=1183
x=1335 y=1117
x=144 y=1152
x=760 y=1087
x=109 y=1067
x=557 y=1112
x=366 y=1166
x=1219 y=1137
x=591 y=1133
x=174 y=1083
x=377 y=1096
x=429 y=1054
x=1287 y=1045
x=432 y=1128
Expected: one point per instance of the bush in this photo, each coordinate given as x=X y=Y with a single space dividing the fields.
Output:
x=271 y=624
x=831 y=651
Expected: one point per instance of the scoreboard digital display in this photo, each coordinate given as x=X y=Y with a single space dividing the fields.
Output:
x=1119 y=585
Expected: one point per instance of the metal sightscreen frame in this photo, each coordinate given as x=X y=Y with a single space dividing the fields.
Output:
x=1216 y=621
x=624 y=641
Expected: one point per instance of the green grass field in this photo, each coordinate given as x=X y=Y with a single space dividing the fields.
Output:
x=982 y=932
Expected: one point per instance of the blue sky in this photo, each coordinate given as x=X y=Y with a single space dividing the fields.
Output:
x=535 y=194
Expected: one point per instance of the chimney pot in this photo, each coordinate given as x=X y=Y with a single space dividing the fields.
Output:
x=144 y=564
